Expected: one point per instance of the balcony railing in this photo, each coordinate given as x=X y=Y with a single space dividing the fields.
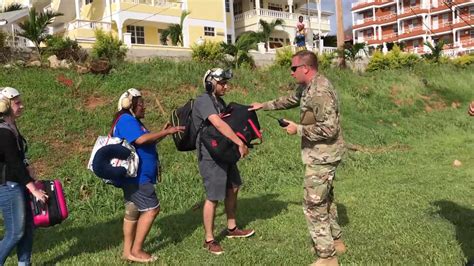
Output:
x=363 y=2
x=157 y=3
x=413 y=8
x=413 y=29
x=467 y=43
x=386 y=17
x=276 y=14
x=389 y=36
x=88 y=24
x=443 y=25
x=364 y=20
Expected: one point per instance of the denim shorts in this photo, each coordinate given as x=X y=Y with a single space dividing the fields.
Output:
x=142 y=195
x=218 y=177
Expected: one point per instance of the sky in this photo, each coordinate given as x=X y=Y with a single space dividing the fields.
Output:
x=329 y=5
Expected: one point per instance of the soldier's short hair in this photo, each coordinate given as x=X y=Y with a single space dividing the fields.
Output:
x=308 y=58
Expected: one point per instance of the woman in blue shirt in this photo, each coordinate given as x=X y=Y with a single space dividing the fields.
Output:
x=141 y=203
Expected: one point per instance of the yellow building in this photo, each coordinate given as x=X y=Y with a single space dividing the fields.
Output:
x=141 y=22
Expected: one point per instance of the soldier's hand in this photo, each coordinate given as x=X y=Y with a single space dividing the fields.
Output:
x=292 y=127
x=255 y=106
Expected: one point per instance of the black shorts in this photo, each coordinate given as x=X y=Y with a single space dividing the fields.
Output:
x=218 y=177
x=142 y=195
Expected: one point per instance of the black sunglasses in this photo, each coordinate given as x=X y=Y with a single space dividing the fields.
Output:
x=294 y=68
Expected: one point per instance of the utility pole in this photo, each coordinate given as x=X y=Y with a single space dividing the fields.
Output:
x=340 y=32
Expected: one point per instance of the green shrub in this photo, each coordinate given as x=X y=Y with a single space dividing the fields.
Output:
x=65 y=48
x=463 y=60
x=283 y=56
x=207 y=52
x=108 y=47
x=392 y=60
x=325 y=61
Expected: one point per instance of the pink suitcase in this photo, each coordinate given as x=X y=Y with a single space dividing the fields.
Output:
x=54 y=211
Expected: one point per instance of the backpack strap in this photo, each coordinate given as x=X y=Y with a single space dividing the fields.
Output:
x=7 y=126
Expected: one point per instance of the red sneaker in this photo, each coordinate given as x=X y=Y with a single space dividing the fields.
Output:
x=240 y=233
x=213 y=247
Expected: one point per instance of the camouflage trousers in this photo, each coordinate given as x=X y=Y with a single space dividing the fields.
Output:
x=319 y=208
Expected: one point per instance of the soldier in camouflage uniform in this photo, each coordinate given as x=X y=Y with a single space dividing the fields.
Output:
x=322 y=147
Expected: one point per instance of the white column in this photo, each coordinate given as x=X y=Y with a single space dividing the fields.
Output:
x=290 y=5
x=119 y=29
x=373 y=13
x=78 y=9
x=380 y=32
x=354 y=37
x=257 y=6
x=109 y=4
x=232 y=19
x=375 y=33
x=186 y=41
x=353 y=18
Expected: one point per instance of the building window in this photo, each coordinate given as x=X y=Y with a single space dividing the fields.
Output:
x=89 y=2
x=238 y=8
x=209 y=31
x=138 y=34
x=472 y=34
x=229 y=38
x=412 y=2
x=395 y=28
x=227 y=5
x=276 y=7
x=416 y=44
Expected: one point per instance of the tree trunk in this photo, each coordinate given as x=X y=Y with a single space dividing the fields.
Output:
x=340 y=33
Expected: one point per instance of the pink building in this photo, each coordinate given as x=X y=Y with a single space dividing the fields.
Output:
x=414 y=22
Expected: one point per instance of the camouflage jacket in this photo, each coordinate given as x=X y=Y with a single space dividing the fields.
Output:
x=320 y=125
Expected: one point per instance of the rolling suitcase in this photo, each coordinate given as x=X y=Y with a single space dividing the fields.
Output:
x=54 y=211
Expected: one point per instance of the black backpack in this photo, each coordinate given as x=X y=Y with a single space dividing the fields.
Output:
x=186 y=140
x=245 y=125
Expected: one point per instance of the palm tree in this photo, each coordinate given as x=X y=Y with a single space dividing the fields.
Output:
x=267 y=30
x=240 y=50
x=435 y=51
x=352 y=51
x=175 y=31
x=12 y=7
x=34 y=28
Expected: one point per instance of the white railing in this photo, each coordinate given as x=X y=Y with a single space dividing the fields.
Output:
x=157 y=3
x=275 y=15
x=469 y=42
x=18 y=41
x=463 y=18
x=329 y=50
x=88 y=24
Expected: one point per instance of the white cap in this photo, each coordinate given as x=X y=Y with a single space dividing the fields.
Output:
x=9 y=92
x=130 y=93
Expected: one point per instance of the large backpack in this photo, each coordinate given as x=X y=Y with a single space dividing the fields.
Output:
x=245 y=125
x=186 y=140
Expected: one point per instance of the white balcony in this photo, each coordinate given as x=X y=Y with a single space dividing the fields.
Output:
x=157 y=3
x=272 y=14
x=88 y=24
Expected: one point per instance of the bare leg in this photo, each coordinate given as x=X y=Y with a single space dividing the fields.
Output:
x=208 y=214
x=231 y=206
x=143 y=228
x=129 y=230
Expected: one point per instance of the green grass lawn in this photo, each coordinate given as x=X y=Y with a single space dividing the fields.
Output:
x=399 y=198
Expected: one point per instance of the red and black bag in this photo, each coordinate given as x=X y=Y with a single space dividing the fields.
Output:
x=245 y=125
x=54 y=211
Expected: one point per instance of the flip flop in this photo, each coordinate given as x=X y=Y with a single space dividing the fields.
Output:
x=140 y=260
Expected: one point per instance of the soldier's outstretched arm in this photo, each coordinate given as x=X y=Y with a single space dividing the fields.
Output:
x=285 y=102
x=326 y=114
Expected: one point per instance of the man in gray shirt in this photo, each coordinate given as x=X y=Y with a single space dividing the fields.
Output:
x=221 y=180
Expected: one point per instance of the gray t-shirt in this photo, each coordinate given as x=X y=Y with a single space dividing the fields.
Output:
x=204 y=106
